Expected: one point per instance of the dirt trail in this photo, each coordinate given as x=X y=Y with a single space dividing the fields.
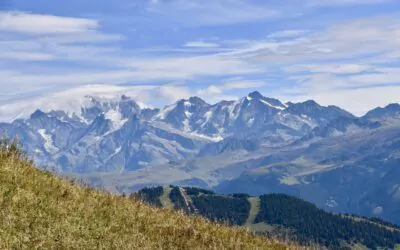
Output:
x=165 y=200
x=188 y=200
x=254 y=210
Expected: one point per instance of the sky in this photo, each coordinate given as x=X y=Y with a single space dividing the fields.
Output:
x=337 y=52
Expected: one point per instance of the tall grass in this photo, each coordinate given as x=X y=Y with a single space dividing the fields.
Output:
x=41 y=211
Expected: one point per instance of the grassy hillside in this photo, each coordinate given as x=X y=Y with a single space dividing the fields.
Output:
x=281 y=216
x=40 y=211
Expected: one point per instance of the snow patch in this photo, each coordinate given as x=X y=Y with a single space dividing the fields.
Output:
x=331 y=203
x=304 y=116
x=188 y=114
x=289 y=180
x=48 y=141
x=187 y=104
x=164 y=113
x=186 y=125
x=208 y=115
x=272 y=106
x=215 y=138
x=250 y=122
x=116 y=151
x=116 y=118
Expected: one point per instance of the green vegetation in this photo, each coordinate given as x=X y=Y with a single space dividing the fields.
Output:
x=179 y=201
x=152 y=195
x=292 y=219
x=315 y=225
x=231 y=210
x=41 y=211
x=197 y=191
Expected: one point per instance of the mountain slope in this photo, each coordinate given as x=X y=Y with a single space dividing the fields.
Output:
x=39 y=210
x=348 y=166
x=279 y=215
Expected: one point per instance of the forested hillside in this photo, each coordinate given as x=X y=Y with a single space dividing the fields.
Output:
x=281 y=216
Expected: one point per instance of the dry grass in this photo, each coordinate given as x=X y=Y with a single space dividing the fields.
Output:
x=41 y=211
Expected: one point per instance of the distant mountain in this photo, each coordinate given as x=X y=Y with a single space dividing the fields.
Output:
x=106 y=136
x=340 y=126
x=321 y=115
x=390 y=111
x=117 y=135
x=278 y=215
x=349 y=165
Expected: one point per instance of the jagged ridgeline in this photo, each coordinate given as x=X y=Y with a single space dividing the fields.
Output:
x=279 y=216
x=41 y=211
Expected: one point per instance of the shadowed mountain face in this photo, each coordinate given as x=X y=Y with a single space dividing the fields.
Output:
x=255 y=145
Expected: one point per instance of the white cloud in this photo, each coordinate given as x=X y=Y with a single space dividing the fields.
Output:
x=345 y=2
x=311 y=61
x=210 y=90
x=242 y=85
x=201 y=44
x=70 y=100
x=165 y=94
x=287 y=33
x=218 y=12
x=382 y=76
x=35 y=37
x=329 y=68
x=213 y=65
x=44 y=24
x=358 y=101
x=137 y=70
x=21 y=84
x=346 y=40
x=25 y=56
x=217 y=92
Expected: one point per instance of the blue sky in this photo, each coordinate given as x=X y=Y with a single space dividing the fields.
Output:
x=341 y=52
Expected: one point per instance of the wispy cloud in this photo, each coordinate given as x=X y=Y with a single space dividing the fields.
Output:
x=345 y=2
x=35 y=37
x=358 y=101
x=201 y=44
x=343 y=68
x=69 y=100
x=25 y=56
x=166 y=41
x=287 y=33
x=190 y=66
x=44 y=24
x=216 y=12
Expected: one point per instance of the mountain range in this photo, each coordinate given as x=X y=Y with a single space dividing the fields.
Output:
x=256 y=144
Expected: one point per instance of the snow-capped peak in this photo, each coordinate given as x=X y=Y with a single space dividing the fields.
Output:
x=255 y=95
x=270 y=102
x=116 y=118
